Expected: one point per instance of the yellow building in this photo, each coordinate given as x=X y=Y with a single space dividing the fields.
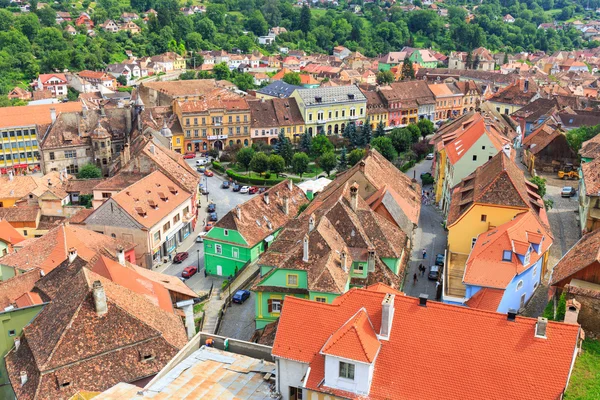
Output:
x=330 y=109
x=218 y=119
x=491 y=196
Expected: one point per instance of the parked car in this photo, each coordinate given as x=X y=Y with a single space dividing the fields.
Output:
x=236 y=187
x=434 y=273
x=212 y=207
x=225 y=185
x=568 y=191
x=200 y=237
x=244 y=189
x=208 y=172
x=208 y=226
x=201 y=161
x=190 y=271
x=213 y=217
x=188 y=156
x=262 y=190
x=240 y=296
x=429 y=156
x=201 y=169
x=179 y=257
x=253 y=190
x=439 y=260
x=203 y=189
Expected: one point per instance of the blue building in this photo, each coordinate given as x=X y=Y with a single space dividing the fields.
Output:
x=506 y=263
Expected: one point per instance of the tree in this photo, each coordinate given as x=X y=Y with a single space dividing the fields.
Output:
x=221 y=71
x=244 y=157
x=425 y=126
x=244 y=81
x=505 y=59
x=421 y=149
x=385 y=147
x=380 y=131
x=366 y=132
x=320 y=145
x=385 y=77
x=401 y=139
x=306 y=142
x=276 y=164
x=343 y=163
x=185 y=76
x=287 y=152
x=328 y=162
x=415 y=132
x=122 y=80
x=541 y=184
x=259 y=163
x=408 y=71
x=469 y=61
x=305 y=17
x=280 y=140
x=292 y=78
x=350 y=134
x=355 y=156
x=300 y=163
x=257 y=24
x=89 y=171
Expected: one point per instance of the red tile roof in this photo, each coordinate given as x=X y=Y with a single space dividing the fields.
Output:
x=591 y=176
x=355 y=340
x=13 y=288
x=481 y=353
x=8 y=234
x=28 y=299
x=486 y=299
x=583 y=254
x=34 y=115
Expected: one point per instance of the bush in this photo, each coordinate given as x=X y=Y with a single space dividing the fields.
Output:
x=267 y=175
x=225 y=157
x=217 y=166
x=256 y=181
x=407 y=166
x=427 y=180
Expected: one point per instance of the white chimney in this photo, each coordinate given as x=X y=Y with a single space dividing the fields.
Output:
x=311 y=223
x=354 y=196
x=387 y=316
x=371 y=260
x=343 y=260
x=305 y=249
x=72 y=254
x=17 y=343
x=238 y=211
x=121 y=255
x=10 y=175
x=266 y=198
x=506 y=150
x=151 y=148
x=290 y=185
x=53 y=114
x=23 y=377
x=99 y=298
x=286 y=205
x=540 y=327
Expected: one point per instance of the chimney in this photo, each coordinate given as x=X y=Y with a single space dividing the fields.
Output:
x=290 y=185
x=423 y=299
x=387 y=316
x=99 y=298
x=506 y=149
x=72 y=254
x=128 y=120
x=23 y=377
x=262 y=99
x=572 y=313
x=266 y=198
x=540 y=327
x=361 y=165
x=343 y=260
x=126 y=155
x=238 y=212
x=151 y=148
x=52 y=118
x=121 y=255
x=512 y=314
x=49 y=182
x=354 y=196
x=305 y=249
x=311 y=223
x=371 y=260
x=526 y=85
x=17 y=343
x=286 y=205
x=10 y=175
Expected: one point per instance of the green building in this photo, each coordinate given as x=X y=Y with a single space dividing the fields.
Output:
x=423 y=57
x=336 y=244
x=245 y=232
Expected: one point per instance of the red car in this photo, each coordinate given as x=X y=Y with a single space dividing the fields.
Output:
x=190 y=271
x=179 y=257
x=208 y=172
x=253 y=190
x=187 y=156
x=208 y=226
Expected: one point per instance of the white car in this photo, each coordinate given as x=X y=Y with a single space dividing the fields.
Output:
x=200 y=237
x=429 y=156
x=244 y=189
x=201 y=162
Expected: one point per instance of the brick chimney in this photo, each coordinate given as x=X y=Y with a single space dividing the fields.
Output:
x=99 y=298
x=72 y=254
x=572 y=312
x=121 y=255
x=354 y=196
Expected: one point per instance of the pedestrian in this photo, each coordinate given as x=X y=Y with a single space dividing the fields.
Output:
x=204 y=222
x=424 y=254
x=415 y=278
x=205 y=273
x=422 y=270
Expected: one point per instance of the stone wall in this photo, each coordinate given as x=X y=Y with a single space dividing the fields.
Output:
x=589 y=314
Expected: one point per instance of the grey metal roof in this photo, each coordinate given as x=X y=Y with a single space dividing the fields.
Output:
x=327 y=95
x=279 y=89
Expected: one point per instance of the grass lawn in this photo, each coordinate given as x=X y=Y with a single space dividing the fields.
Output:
x=585 y=379
x=198 y=308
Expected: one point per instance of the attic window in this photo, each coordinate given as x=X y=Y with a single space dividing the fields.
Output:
x=506 y=255
x=351 y=96
x=319 y=99
x=140 y=211
x=173 y=190
x=152 y=204
x=147 y=357
x=65 y=384
x=163 y=196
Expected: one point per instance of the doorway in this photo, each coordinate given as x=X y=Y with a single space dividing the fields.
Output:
x=219 y=270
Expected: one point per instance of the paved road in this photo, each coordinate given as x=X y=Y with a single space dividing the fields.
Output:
x=238 y=321
x=429 y=235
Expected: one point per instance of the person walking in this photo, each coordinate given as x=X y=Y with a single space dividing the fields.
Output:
x=415 y=279
x=422 y=270
x=424 y=254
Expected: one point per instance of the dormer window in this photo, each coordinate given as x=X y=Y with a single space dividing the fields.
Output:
x=346 y=370
x=172 y=189
x=506 y=255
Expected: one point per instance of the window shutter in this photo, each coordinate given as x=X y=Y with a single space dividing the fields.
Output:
x=270 y=305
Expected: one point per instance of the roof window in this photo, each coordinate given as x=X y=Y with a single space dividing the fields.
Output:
x=506 y=255
x=141 y=212
x=173 y=190
x=163 y=196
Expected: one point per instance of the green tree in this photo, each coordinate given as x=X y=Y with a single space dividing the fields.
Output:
x=276 y=164
x=287 y=152
x=89 y=171
x=244 y=157
x=350 y=134
x=380 y=131
x=355 y=156
x=194 y=42
x=385 y=77
x=561 y=307
x=385 y=147
x=306 y=142
x=425 y=126
x=257 y=23
x=122 y=79
x=244 y=81
x=187 y=75
x=277 y=148
x=221 y=71
x=505 y=59
x=300 y=163
x=305 y=18
x=259 y=163
x=292 y=78
x=72 y=94
x=541 y=184
x=408 y=71
x=366 y=132
x=401 y=139
x=85 y=200
x=321 y=145
x=328 y=162
x=343 y=163
x=415 y=132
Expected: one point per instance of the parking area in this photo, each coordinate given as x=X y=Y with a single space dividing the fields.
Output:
x=238 y=320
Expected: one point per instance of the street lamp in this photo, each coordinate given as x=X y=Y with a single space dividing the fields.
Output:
x=198 y=260
x=206 y=187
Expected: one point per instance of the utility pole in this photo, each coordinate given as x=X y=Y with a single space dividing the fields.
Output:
x=198 y=260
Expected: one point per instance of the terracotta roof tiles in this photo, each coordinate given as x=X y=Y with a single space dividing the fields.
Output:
x=591 y=177
x=34 y=115
x=584 y=253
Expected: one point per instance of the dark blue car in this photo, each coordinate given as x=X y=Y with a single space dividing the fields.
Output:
x=212 y=207
x=213 y=217
x=240 y=296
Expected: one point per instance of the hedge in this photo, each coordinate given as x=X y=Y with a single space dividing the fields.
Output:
x=407 y=166
x=256 y=181
x=217 y=166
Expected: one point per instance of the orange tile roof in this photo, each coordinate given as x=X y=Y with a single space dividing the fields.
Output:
x=482 y=354
x=485 y=266
x=591 y=176
x=28 y=299
x=486 y=299
x=34 y=115
x=13 y=288
x=151 y=199
x=355 y=340
x=8 y=234
x=583 y=254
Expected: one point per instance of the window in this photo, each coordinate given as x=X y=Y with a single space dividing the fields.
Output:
x=218 y=249
x=225 y=232
x=186 y=210
x=346 y=370
x=24 y=233
x=473 y=241
x=359 y=268
x=535 y=271
x=292 y=280
x=106 y=195
x=321 y=299
x=52 y=155
x=475 y=157
x=526 y=259
x=157 y=236
x=483 y=217
x=12 y=332
x=482 y=147
x=275 y=306
x=506 y=255
x=310 y=117
x=73 y=169
x=176 y=219
x=519 y=285
x=166 y=227
x=235 y=253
